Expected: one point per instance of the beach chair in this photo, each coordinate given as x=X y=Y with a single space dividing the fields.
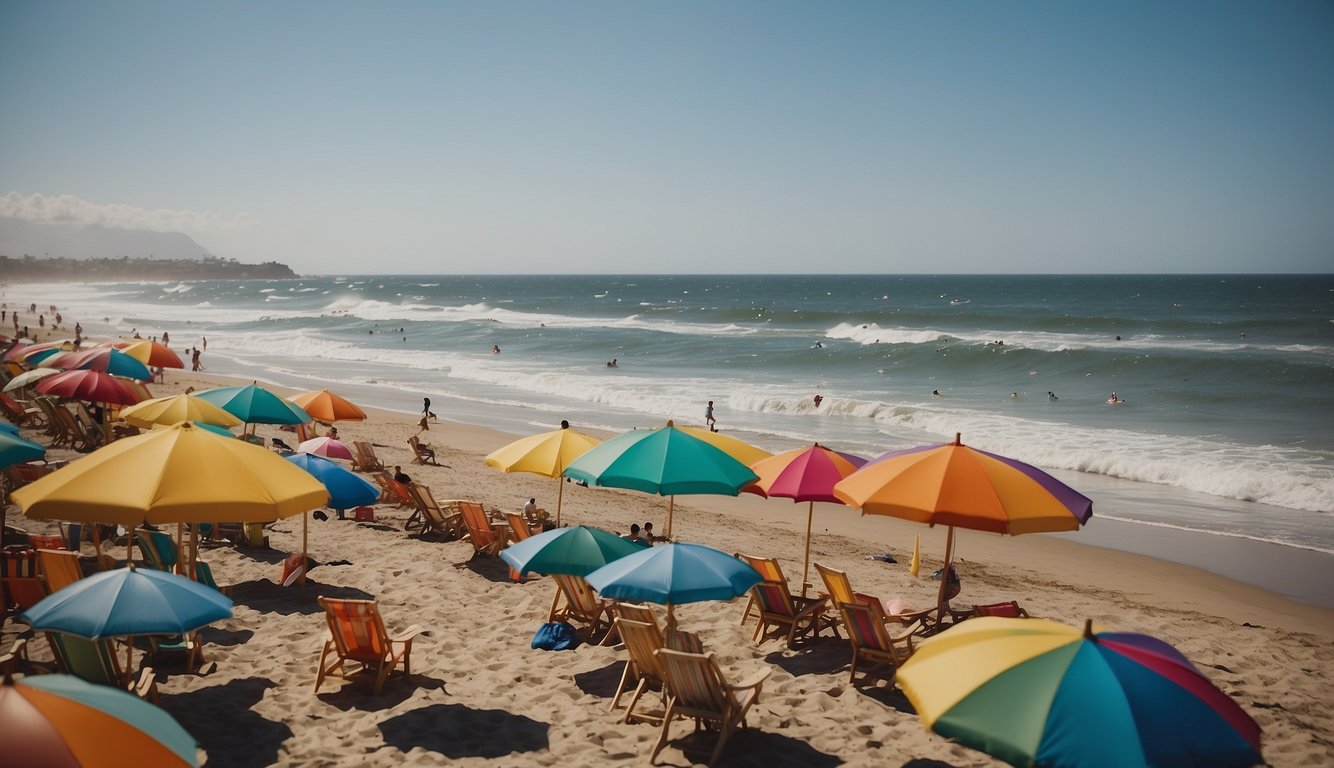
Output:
x=434 y=518
x=392 y=491
x=304 y=431
x=798 y=615
x=21 y=579
x=19 y=414
x=56 y=428
x=518 y=532
x=697 y=689
x=159 y=553
x=366 y=460
x=60 y=568
x=840 y=591
x=358 y=636
x=421 y=452
x=641 y=640
x=575 y=602
x=485 y=537
x=768 y=570
x=1009 y=609
x=96 y=661
x=871 y=640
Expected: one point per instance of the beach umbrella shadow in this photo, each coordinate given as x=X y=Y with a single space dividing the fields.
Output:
x=226 y=637
x=922 y=762
x=221 y=719
x=760 y=749
x=458 y=731
x=356 y=694
x=266 y=597
x=489 y=568
x=601 y=682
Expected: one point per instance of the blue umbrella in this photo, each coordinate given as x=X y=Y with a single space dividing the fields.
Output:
x=346 y=490
x=675 y=573
x=7 y=427
x=575 y=551
x=254 y=404
x=129 y=601
x=16 y=450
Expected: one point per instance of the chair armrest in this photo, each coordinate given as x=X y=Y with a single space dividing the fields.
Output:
x=752 y=682
x=146 y=686
x=407 y=634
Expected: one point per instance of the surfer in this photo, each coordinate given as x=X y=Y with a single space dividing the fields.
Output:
x=817 y=400
x=1114 y=400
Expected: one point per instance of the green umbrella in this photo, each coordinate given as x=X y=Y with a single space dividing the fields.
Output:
x=254 y=404
x=16 y=450
x=666 y=461
x=575 y=551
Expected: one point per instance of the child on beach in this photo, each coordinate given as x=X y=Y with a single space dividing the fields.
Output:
x=708 y=417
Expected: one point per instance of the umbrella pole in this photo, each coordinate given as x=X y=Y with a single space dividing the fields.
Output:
x=671 y=618
x=97 y=543
x=806 y=566
x=129 y=547
x=671 y=503
x=305 y=537
x=560 y=493
x=179 y=567
x=942 y=602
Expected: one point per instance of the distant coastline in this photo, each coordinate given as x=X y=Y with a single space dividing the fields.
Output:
x=34 y=270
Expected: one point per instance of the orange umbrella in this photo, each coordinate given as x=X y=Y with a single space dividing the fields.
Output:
x=153 y=354
x=325 y=406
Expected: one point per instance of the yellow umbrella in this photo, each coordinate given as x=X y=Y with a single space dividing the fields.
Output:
x=175 y=409
x=740 y=450
x=547 y=454
x=182 y=474
x=324 y=405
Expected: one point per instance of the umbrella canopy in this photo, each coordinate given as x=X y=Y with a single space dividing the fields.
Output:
x=152 y=353
x=10 y=428
x=547 y=454
x=673 y=574
x=738 y=449
x=805 y=474
x=325 y=446
x=956 y=485
x=1036 y=692
x=90 y=385
x=61 y=721
x=15 y=352
x=175 y=409
x=129 y=601
x=328 y=407
x=346 y=489
x=104 y=359
x=28 y=378
x=254 y=404
x=666 y=461
x=576 y=551
x=156 y=477
x=16 y=450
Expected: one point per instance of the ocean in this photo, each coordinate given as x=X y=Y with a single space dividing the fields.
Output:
x=1227 y=381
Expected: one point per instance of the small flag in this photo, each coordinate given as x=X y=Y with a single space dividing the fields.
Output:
x=916 y=564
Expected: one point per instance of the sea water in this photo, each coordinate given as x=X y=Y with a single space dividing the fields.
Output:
x=1226 y=380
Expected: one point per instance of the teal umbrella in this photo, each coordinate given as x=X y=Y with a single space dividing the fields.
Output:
x=104 y=359
x=666 y=461
x=254 y=404
x=674 y=573
x=10 y=428
x=16 y=450
x=575 y=551
x=129 y=601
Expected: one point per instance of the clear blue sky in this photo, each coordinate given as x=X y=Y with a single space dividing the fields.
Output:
x=685 y=136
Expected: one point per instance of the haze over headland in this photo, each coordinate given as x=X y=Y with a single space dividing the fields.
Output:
x=737 y=137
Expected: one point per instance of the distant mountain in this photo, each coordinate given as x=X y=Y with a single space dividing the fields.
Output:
x=19 y=237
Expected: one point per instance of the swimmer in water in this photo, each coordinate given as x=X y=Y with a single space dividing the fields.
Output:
x=936 y=393
x=1052 y=396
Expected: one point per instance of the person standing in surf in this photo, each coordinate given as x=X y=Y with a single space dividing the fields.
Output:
x=711 y=422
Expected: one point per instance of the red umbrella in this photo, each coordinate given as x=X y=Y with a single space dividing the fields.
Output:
x=804 y=474
x=92 y=386
x=103 y=359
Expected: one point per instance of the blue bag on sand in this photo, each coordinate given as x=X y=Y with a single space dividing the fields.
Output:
x=555 y=636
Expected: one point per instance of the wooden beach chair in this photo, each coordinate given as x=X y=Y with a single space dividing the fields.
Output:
x=486 y=538
x=358 y=636
x=871 y=640
x=697 y=689
x=434 y=518
x=421 y=452
x=840 y=591
x=366 y=460
x=159 y=553
x=768 y=570
x=96 y=661
x=21 y=579
x=60 y=568
x=575 y=602
x=798 y=615
x=20 y=414
x=642 y=664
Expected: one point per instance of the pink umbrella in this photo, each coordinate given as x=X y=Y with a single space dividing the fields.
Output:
x=103 y=359
x=325 y=446
x=86 y=384
x=804 y=474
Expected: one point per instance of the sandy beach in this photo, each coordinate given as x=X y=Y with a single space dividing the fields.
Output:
x=478 y=693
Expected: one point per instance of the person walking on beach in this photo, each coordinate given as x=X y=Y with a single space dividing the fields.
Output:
x=426 y=409
x=708 y=417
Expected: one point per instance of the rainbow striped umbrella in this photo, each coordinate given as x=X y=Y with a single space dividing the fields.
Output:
x=1037 y=692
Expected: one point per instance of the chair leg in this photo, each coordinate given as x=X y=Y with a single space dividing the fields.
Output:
x=381 y=676
x=726 y=731
x=319 y=676
x=639 y=691
x=620 y=687
x=662 y=739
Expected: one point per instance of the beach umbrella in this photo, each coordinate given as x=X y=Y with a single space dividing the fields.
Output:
x=16 y=450
x=129 y=601
x=738 y=449
x=28 y=378
x=576 y=551
x=15 y=353
x=90 y=385
x=959 y=486
x=804 y=474
x=152 y=353
x=325 y=446
x=254 y=404
x=175 y=409
x=10 y=428
x=31 y=354
x=60 y=721
x=673 y=574
x=666 y=461
x=346 y=489
x=547 y=454
x=104 y=359
x=1037 y=692
x=328 y=407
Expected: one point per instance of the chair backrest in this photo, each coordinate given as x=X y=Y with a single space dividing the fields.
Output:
x=157 y=548
x=775 y=599
x=641 y=641
x=695 y=682
x=836 y=581
x=60 y=568
x=357 y=629
x=366 y=458
x=579 y=594
x=768 y=567
x=474 y=517
x=634 y=612
x=866 y=629
x=518 y=526
x=304 y=432
x=88 y=660
x=22 y=577
x=428 y=505
x=1009 y=610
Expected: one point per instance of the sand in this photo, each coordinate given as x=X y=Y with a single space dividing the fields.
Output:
x=478 y=693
